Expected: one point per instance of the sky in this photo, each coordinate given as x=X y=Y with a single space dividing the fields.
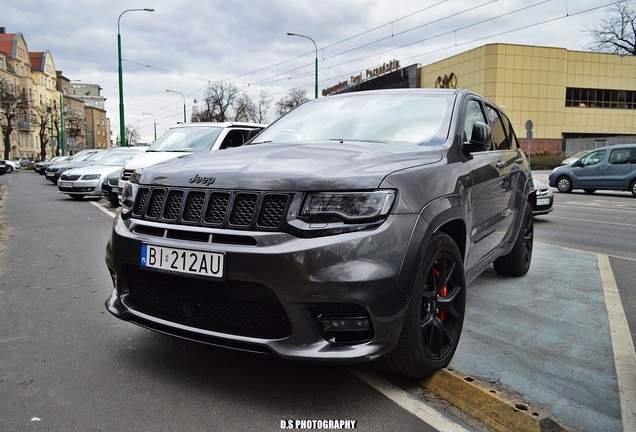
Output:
x=185 y=45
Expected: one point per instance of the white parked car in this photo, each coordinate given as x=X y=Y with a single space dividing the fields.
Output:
x=189 y=138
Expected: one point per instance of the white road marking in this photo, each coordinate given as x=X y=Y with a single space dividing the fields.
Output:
x=99 y=206
x=622 y=344
x=409 y=403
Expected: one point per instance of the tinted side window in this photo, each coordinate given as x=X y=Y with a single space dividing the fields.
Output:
x=234 y=138
x=512 y=137
x=620 y=156
x=593 y=158
x=474 y=114
x=499 y=138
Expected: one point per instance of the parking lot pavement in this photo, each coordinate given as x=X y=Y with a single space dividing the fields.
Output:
x=546 y=337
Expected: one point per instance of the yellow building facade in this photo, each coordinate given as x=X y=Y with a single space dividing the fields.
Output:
x=566 y=94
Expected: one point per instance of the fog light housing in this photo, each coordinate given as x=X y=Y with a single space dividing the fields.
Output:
x=342 y=323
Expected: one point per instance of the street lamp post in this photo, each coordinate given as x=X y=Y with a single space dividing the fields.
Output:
x=315 y=46
x=184 y=104
x=154 y=120
x=122 y=123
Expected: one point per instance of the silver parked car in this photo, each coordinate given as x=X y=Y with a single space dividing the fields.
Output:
x=87 y=180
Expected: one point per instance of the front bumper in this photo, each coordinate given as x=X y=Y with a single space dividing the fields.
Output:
x=278 y=291
x=80 y=187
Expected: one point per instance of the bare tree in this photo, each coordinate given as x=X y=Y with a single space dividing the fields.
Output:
x=617 y=32
x=248 y=110
x=220 y=97
x=75 y=127
x=291 y=100
x=132 y=135
x=244 y=108
x=56 y=119
x=12 y=105
x=262 y=106
x=41 y=116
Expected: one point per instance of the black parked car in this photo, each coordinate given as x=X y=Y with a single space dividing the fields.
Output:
x=542 y=198
x=3 y=167
x=109 y=188
x=346 y=233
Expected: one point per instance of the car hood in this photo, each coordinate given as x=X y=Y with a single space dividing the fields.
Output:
x=94 y=169
x=146 y=159
x=311 y=166
x=69 y=165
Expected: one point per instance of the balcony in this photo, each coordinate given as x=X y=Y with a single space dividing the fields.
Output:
x=24 y=126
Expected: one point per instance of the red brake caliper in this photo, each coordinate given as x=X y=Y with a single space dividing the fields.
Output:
x=442 y=293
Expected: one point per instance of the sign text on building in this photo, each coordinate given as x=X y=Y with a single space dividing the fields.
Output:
x=357 y=79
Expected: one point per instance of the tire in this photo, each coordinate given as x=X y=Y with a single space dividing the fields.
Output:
x=9 y=169
x=435 y=314
x=632 y=187
x=517 y=261
x=564 y=184
x=76 y=197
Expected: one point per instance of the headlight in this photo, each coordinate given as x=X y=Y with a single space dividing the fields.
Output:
x=350 y=206
x=91 y=176
x=129 y=193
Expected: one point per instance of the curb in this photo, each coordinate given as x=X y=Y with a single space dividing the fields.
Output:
x=500 y=410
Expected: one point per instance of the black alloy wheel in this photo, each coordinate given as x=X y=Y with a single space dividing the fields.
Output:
x=435 y=315
x=517 y=261
x=442 y=307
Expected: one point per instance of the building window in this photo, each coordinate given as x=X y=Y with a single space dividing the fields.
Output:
x=600 y=98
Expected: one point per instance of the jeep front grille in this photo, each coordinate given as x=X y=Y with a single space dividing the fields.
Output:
x=215 y=208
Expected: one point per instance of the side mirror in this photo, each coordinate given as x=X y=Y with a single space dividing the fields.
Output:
x=481 y=138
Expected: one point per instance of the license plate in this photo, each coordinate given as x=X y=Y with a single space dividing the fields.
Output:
x=209 y=264
x=543 y=201
x=50 y=174
x=66 y=184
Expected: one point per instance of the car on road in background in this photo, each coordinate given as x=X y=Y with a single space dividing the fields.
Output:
x=576 y=156
x=542 y=198
x=345 y=232
x=189 y=138
x=22 y=161
x=605 y=168
x=12 y=166
x=86 y=181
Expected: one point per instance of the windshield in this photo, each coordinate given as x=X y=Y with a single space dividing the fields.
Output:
x=81 y=156
x=117 y=158
x=187 y=139
x=401 y=118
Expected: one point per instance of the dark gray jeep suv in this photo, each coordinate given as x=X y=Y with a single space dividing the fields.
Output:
x=345 y=232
